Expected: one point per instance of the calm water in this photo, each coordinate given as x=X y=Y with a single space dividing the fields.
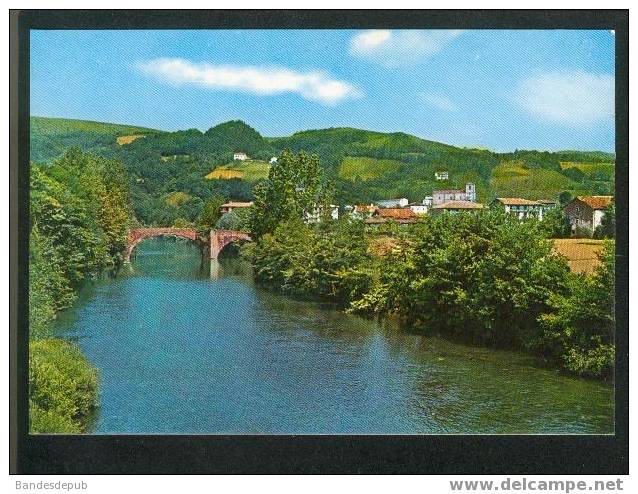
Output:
x=183 y=349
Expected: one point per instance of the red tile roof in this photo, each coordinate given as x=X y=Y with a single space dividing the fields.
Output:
x=459 y=205
x=365 y=208
x=237 y=204
x=395 y=213
x=516 y=201
x=596 y=202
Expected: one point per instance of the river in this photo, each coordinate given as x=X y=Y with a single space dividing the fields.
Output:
x=184 y=348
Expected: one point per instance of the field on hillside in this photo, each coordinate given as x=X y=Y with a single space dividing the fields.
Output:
x=366 y=168
x=599 y=171
x=510 y=179
x=249 y=170
x=581 y=253
x=123 y=140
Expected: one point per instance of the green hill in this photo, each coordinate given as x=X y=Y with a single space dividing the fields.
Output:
x=364 y=165
x=51 y=136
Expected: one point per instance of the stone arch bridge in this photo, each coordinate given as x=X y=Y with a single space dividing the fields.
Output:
x=211 y=244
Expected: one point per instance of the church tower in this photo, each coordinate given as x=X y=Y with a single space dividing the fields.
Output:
x=470 y=192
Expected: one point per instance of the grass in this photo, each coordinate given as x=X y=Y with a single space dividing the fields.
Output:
x=581 y=253
x=592 y=170
x=509 y=178
x=122 y=140
x=52 y=126
x=249 y=170
x=177 y=198
x=367 y=168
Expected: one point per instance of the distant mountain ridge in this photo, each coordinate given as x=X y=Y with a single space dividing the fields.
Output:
x=364 y=165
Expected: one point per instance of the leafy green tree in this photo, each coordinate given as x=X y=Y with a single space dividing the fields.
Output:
x=80 y=212
x=211 y=213
x=292 y=190
x=62 y=388
x=555 y=224
x=579 y=325
x=607 y=227
x=564 y=197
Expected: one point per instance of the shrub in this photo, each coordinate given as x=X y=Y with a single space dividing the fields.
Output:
x=62 y=387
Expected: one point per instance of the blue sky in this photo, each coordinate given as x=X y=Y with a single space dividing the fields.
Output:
x=502 y=90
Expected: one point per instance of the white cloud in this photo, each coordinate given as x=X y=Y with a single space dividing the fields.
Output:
x=569 y=98
x=315 y=86
x=396 y=48
x=439 y=101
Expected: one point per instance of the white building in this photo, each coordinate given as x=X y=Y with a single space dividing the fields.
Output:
x=443 y=196
x=315 y=216
x=393 y=203
x=441 y=175
x=418 y=208
x=239 y=156
x=427 y=201
x=273 y=160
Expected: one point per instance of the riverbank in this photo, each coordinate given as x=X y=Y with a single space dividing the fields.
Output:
x=485 y=279
x=181 y=349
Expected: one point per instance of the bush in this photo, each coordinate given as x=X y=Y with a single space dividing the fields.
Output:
x=62 y=387
x=579 y=325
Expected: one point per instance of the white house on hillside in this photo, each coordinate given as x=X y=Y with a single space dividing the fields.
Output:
x=441 y=175
x=240 y=156
x=418 y=208
x=393 y=203
x=273 y=160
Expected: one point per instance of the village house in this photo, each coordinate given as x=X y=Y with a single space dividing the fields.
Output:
x=456 y=207
x=393 y=203
x=399 y=215
x=229 y=206
x=240 y=156
x=441 y=175
x=519 y=207
x=363 y=211
x=418 y=208
x=315 y=215
x=587 y=211
x=273 y=160
x=428 y=200
x=443 y=196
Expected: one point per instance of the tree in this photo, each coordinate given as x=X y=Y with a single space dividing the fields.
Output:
x=211 y=213
x=292 y=189
x=579 y=325
x=555 y=224
x=564 y=197
x=607 y=227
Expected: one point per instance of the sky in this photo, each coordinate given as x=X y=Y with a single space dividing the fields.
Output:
x=502 y=90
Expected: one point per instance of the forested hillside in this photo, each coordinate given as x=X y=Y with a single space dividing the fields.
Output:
x=363 y=165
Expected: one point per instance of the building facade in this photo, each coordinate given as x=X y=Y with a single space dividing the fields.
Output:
x=393 y=203
x=519 y=207
x=418 y=208
x=240 y=156
x=442 y=196
x=229 y=206
x=587 y=211
x=456 y=207
x=441 y=175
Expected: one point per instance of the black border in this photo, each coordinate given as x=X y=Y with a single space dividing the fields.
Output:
x=181 y=454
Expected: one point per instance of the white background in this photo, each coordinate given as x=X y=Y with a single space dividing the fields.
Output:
x=279 y=484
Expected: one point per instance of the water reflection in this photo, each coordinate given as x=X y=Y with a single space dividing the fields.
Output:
x=191 y=347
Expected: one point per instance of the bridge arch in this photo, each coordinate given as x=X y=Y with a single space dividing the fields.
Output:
x=219 y=239
x=138 y=235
